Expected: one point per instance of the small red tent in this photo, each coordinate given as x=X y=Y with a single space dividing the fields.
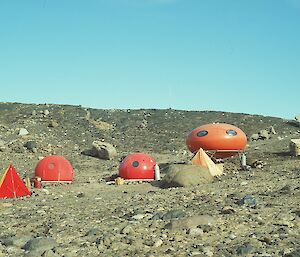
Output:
x=11 y=185
x=54 y=168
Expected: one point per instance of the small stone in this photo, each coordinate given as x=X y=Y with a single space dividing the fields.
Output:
x=80 y=195
x=2 y=143
x=244 y=183
x=17 y=241
x=228 y=210
x=158 y=243
x=244 y=250
x=30 y=145
x=50 y=253
x=46 y=112
x=46 y=191
x=249 y=201
x=207 y=251
x=257 y=164
x=40 y=244
x=286 y=190
x=264 y=134
x=33 y=113
x=191 y=222
x=232 y=236
x=175 y=214
x=93 y=232
x=127 y=230
x=266 y=239
x=5 y=205
x=23 y=132
x=138 y=216
x=157 y=216
x=295 y=253
x=195 y=232
x=53 y=124
x=254 y=137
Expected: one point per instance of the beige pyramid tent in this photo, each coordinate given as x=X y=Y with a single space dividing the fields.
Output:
x=202 y=159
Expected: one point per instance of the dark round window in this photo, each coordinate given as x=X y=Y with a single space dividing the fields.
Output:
x=231 y=132
x=135 y=164
x=202 y=133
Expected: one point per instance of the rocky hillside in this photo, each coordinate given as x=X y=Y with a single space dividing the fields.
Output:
x=93 y=218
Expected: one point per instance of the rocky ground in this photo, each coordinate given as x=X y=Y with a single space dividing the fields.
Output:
x=242 y=213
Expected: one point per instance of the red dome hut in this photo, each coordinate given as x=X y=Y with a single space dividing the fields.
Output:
x=54 y=168
x=137 y=166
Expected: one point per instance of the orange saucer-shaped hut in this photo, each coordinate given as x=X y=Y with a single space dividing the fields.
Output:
x=54 y=168
x=221 y=139
x=137 y=166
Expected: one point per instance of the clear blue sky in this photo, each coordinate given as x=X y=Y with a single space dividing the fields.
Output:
x=225 y=55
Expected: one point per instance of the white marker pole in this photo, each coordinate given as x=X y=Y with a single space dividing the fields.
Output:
x=156 y=172
x=243 y=160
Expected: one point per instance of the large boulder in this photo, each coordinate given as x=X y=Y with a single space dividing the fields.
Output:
x=185 y=175
x=101 y=150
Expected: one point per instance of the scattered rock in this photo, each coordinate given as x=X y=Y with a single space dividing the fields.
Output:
x=40 y=244
x=176 y=214
x=2 y=146
x=127 y=230
x=295 y=253
x=248 y=201
x=50 y=253
x=23 y=132
x=227 y=210
x=46 y=112
x=285 y=190
x=254 y=137
x=264 y=134
x=80 y=195
x=195 y=232
x=244 y=183
x=93 y=232
x=158 y=243
x=138 y=217
x=245 y=250
x=101 y=150
x=53 y=124
x=232 y=236
x=18 y=241
x=31 y=145
x=191 y=222
x=17 y=147
x=257 y=164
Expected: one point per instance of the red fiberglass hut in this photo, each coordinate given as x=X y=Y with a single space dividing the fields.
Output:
x=223 y=140
x=137 y=166
x=54 y=168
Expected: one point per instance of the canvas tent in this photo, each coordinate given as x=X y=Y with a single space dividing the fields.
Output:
x=11 y=185
x=202 y=159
